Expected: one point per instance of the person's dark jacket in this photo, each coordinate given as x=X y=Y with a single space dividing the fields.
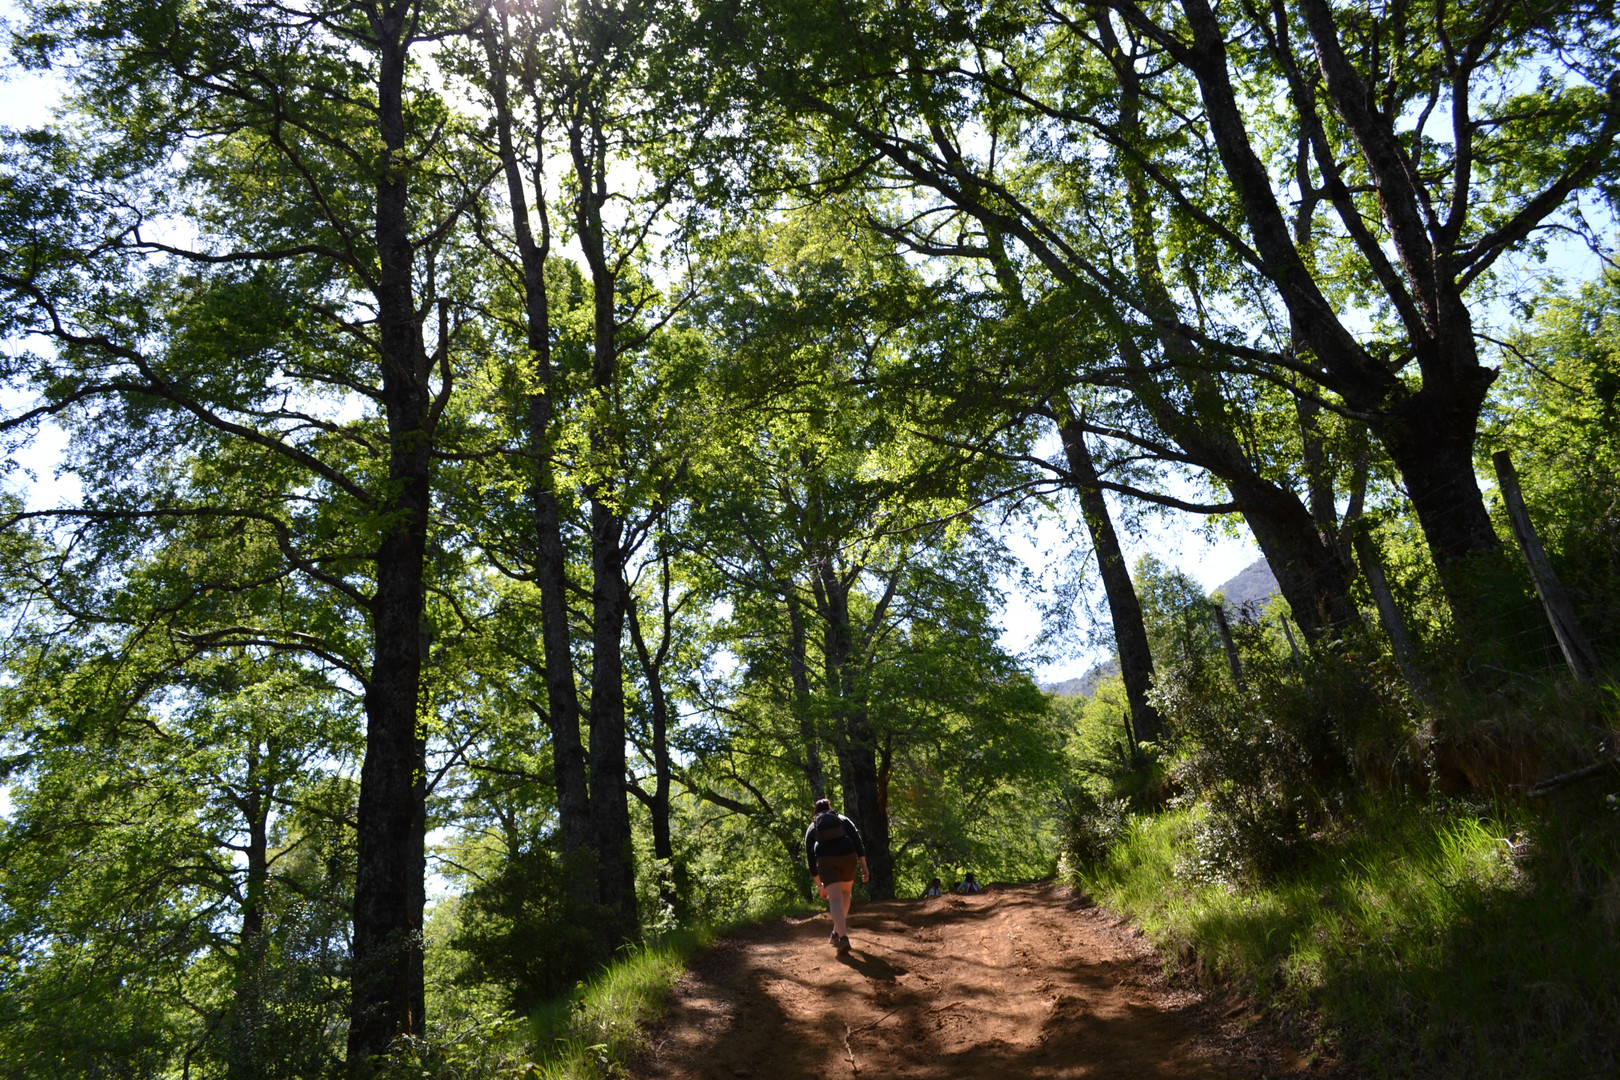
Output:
x=848 y=844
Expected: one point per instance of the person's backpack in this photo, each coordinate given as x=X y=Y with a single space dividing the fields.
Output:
x=829 y=827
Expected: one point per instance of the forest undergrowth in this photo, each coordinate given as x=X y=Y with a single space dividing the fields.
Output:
x=591 y=1032
x=1450 y=938
x=1401 y=930
x=584 y=1035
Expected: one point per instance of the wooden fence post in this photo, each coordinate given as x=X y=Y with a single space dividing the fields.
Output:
x=1225 y=631
x=1389 y=615
x=1578 y=652
x=1282 y=621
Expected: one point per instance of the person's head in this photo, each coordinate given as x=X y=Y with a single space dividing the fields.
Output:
x=823 y=806
x=970 y=876
x=935 y=883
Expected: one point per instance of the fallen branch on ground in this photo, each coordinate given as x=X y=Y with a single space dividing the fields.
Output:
x=1574 y=776
x=849 y=1032
x=849 y=1051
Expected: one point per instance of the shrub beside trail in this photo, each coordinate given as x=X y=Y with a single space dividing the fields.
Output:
x=1325 y=845
x=586 y=1035
x=1448 y=939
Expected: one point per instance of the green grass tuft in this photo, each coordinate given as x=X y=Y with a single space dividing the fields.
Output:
x=590 y=1035
x=600 y=1029
x=1416 y=938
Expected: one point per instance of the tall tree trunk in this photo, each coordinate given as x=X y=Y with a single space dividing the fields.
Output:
x=1430 y=438
x=1234 y=663
x=1572 y=640
x=389 y=894
x=855 y=742
x=1307 y=564
x=799 y=673
x=1389 y=613
x=610 y=814
x=247 y=1014
x=550 y=557
x=1309 y=573
x=858 y=763
x=1130 y=635
x=1125 y=609
x=652 y=668
x=1321 y=496
x=1429 y=432
x=556 y=640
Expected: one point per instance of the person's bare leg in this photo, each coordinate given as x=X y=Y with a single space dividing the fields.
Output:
x=838 y=905
x=843 y=891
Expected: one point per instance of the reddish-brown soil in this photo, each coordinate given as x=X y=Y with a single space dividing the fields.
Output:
x=1020 y=981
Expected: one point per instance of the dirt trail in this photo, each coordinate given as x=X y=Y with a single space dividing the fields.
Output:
x=1021 y=981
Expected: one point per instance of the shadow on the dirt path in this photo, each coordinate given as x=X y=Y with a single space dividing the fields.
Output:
x=1131 y=1045
x=760 y=1041
x=771 y=1006
x=926 y=914
x=746 y=1033
x=873 y=967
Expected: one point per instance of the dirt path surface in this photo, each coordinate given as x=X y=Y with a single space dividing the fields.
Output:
x=1021 y=981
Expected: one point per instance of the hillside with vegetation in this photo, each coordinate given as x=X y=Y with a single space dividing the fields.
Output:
x=519 y=454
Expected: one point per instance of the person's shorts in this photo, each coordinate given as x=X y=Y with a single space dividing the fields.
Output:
x=836 y=867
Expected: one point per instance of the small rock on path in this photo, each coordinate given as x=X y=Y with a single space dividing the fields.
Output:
x=1018 y=981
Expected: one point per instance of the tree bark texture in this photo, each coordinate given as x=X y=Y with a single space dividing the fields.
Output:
x=610 y=813
x=386 y=975
x=855 y=740
x=1309 y=570
x=1429 y=432
x=1130 y=635
x=550 y=557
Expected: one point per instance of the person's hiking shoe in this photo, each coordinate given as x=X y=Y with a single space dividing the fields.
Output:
x=843 y=945
x=834 y=940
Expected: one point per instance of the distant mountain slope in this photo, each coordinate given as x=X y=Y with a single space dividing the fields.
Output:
x=1086 y=684
x=1251 y=590
x=1245 y=595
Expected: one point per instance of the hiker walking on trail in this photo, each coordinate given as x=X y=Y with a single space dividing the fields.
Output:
x=969 y=885
x=833 y=846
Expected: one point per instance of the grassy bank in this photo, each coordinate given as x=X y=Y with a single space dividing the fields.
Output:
x=594 y=1033
x=590 y=1034
x=1419 y=940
